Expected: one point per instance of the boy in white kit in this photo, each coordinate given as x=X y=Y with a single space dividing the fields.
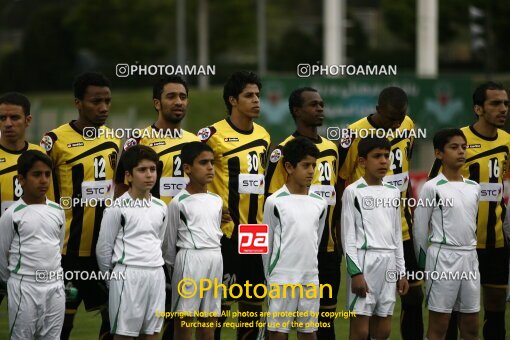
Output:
x=445 y=239
x=32 y=235
x=194 y=220
x=296 y=220
x=372 y=243
x=130 y=242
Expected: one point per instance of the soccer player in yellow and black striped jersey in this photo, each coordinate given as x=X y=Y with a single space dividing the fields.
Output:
x=399 y=128
x=307 y=109
x=240 y=152
x=488 y=149
x=15 y=118
x=84 y=169
x=167 y=138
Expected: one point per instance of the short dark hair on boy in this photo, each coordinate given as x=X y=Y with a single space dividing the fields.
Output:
x=16 y=98
x=443 y=136
x=297 y=149
x=368 y=144
x=28 y=158
x=84 y=80
x=135 y=154
x=236 y=84
x=191 y=150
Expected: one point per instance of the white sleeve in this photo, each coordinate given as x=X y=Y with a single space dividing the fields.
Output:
x=272 y=222
x=348 y=229
x=62 y=230
x=110 y=226
x=506 y=223
x=399 y=252
x=322 y=222
x=7 y=232
x=422 y=219
x=171 y=233
x=162 y=233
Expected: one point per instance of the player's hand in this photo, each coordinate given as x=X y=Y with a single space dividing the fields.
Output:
x=402 y=286
x=225 y=215
x=359 y=285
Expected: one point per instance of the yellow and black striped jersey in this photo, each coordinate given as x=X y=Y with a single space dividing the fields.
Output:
x=10 y=189
x=239 y=164
x=83 y=169
x=486 y=164
x=171 y=177
x=323 y=183
x=402 y=141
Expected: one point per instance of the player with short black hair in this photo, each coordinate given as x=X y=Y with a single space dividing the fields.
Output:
x=32 y=232
x=236 y=85
x=84 y=80
x=296 y=217
x=391 y=115
x=445 y=239
x=132 y=241
x=133 y=156
x=194 y=219
x=372 y=243
x=83 y=169
x=307 y=109
x=240 y=152
x=487 y=154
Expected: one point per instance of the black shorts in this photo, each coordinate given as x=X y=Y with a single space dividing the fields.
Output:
x=494 y=266
x=329 y=273
x=92 y=292
x=241 y=268
x=411 y=261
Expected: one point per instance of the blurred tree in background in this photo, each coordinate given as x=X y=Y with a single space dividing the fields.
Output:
x=43 y=44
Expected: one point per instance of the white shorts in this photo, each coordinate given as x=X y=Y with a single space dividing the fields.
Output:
x=197 y=264
x=381 y=298
x=135 y=301
x=36 y=309
x=444 y=295
x=300 y=313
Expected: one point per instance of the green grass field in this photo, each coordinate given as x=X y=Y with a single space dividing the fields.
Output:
x=87 y=324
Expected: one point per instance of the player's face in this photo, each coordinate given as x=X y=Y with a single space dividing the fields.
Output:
x=95 y=105
x=495 y=108
x=13 y=122
x=37 y=181
x=304 y=170
x=144 y=176
x=454 y=154
x=248 y=102
x=173 y=103
x=392 y=117
x=202 y=170
x=377 y=162
x=312 y=111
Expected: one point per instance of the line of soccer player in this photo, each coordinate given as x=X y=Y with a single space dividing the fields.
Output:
x=309 y=191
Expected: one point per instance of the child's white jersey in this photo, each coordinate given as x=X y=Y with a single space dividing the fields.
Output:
x=31 y=238
x=371 y=221
x=132 y=233
x=193 y=222
x=296 y=223
x=446 y=215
